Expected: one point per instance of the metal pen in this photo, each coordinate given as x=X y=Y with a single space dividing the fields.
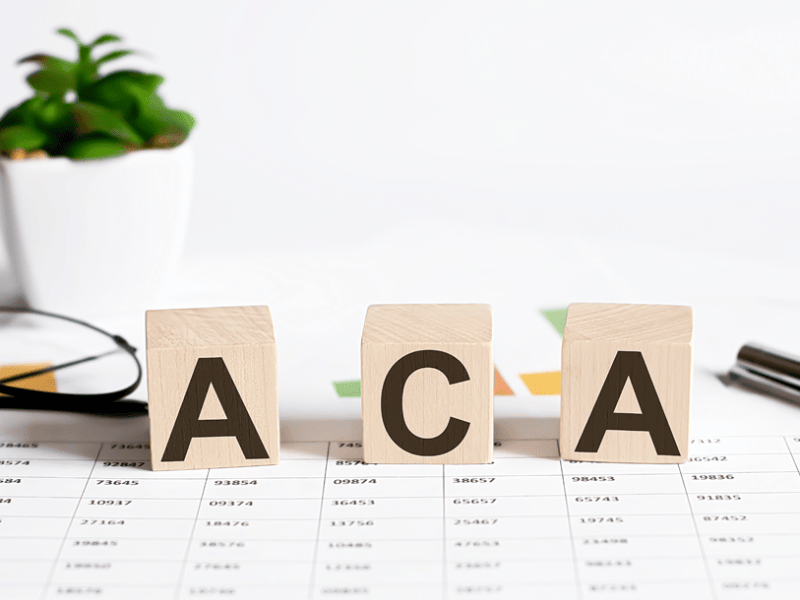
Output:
x=767 y=370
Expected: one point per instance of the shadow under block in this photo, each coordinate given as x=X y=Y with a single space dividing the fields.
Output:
x=212 y=386
x=427 y=384
x=626 y=376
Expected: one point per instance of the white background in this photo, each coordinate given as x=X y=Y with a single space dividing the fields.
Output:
x=672 y=124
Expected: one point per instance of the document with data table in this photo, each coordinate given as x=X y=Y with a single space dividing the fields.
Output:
x=86 y=519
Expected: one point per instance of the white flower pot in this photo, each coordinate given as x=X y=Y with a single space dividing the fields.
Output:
x=98 y=236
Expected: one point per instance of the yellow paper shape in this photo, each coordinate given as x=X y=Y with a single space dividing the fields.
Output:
x=543 y=384
x=46 y=382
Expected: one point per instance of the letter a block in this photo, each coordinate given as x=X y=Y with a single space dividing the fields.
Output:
x=427 y=384
x=212 y=386
x=626 y=376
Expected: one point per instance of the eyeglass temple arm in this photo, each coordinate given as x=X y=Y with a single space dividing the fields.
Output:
x=52 y=368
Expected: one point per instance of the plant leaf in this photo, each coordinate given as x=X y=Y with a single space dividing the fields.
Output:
x=105 y=39
x=23 y=114
x=180 y=120
x=11 y=117
x=52 y=63
x=53 y=116
x=173 y=129
x=148 y=82
x=55 y=77
x=124 y=91
x=94 y=146
x=160 y=126
x=113 y=56
x=40 y=58
x=21 y=136
x=150 y=116
x=91 y=118
x=114 y=86
x=52 y=82
x=68 y=33
x=85 y=69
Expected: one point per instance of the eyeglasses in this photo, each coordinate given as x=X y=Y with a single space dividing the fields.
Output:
x=107 y=403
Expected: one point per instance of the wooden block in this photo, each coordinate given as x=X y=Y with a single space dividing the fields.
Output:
x=427 y=384
x=626 y=376
x=213 y=388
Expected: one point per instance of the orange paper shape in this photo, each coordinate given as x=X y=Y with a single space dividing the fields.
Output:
x=501 y=388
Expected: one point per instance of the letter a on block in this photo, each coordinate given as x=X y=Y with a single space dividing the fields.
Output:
x=208 y=372
x=427 y=382
x=230 y=351
x=626 y=383
x=628 y=366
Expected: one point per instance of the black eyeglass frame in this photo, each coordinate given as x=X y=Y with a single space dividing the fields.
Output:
x=109 y=403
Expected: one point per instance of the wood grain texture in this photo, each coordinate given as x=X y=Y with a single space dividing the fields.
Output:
x=186 y=345
x=426 y=346
x=604 y=348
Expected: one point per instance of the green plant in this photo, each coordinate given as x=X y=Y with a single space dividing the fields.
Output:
x=75 y=112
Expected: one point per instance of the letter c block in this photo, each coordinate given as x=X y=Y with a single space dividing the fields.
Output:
x=626 y=377
x=212 y=387
x=427 y=384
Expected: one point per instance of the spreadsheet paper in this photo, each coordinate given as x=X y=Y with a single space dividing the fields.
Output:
x=91 y=519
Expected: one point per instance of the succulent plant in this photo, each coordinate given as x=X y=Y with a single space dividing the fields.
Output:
x=78 y=113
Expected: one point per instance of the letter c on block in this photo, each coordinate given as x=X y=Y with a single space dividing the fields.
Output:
x=392 y=403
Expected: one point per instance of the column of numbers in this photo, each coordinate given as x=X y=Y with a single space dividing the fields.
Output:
x=381 y=529
x=257 y=527
x=40 y=488
x=131 y=529
x=633 y=532
x=506 y=525
x=745 y=494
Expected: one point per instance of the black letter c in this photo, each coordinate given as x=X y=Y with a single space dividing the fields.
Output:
x=392 y=403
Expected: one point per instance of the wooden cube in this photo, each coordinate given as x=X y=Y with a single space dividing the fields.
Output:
x=427 y=384
x=626 y=377
x=213 y=388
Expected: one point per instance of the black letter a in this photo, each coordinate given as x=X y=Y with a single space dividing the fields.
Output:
x=653 y=420
x=207 y=372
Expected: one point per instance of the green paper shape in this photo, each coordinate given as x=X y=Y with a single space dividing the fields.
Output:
x=557 y=318
x=348 y=389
